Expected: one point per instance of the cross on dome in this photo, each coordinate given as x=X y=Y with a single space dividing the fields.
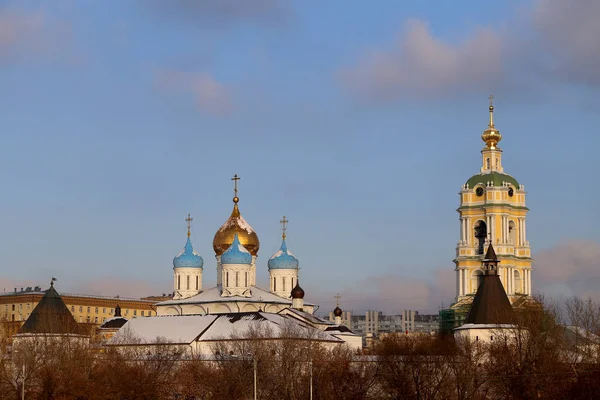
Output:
x=235 y=180
x=189 y=220
x=337 y=299
x=283 y=223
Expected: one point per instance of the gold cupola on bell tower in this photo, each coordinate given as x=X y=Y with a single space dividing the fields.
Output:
x=491 y=136
x=236 y=224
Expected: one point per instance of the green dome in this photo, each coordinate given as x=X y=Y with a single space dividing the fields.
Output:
x=495 y=177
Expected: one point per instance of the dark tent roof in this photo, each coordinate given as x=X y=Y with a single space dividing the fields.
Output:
x=51 y=315
x=491 y=304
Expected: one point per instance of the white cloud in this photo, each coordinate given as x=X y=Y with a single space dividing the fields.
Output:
x=422 y=65
x=556 y=41
x=210 y=95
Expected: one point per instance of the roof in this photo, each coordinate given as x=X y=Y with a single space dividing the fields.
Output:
x=491 y=304
x=495 y=177
x=51 y=315
x=185 y=329
x=114 y=323
x=213 y=295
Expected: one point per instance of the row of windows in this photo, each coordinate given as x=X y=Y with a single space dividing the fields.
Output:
x=237 y=279
x=282 y=283
x=187 y=282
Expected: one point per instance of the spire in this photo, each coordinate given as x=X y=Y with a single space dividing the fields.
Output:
x=283 y=223
x=235 y=180
x=491 y=136
x=491 y=304
x=189 y=220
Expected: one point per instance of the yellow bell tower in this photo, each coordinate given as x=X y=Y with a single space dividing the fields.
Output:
x=492 y=210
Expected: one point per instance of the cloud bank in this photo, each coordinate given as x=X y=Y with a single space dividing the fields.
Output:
x=556 y=41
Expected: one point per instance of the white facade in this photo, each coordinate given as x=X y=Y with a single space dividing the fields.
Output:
x=187 y=282
x=282 y=281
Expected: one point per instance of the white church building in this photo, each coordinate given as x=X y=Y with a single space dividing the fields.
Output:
x=198 y=317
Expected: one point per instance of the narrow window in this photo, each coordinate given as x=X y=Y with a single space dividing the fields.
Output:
x=196 y=282
x=72 y=308
x=80 y=309
x=178 y=282
x=487 y=163
x=293 y=283
x=227 y=279
x=237 y=275
x=274 y=284
x=246 y=280
x=283 y=283
x=96 y=310
x=134 y=312
x=188 y=282
x=142 y=313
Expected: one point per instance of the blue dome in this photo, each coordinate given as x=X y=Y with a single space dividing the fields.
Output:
x=236 y=253
x=283 y=259
x=188 y=258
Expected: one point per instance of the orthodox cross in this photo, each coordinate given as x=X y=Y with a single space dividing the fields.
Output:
x=491 y=98
x=283 y=223
x=235 y=180
x=491 y=111
x=189 y=220
x=337 y=300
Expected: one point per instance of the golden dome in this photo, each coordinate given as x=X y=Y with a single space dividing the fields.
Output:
x=491 y=136
x=236 y=224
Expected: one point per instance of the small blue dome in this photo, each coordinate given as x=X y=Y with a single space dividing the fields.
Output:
x=283 y=259
x=188 y=258
x=236 y=253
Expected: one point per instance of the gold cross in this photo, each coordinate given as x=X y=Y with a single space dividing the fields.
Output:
x=491 y=98
x=283 y=223
x=235 y=180
x=337 y=300
x=189 y=220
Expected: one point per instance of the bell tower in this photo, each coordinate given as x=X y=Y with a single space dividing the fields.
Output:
x=492 y=211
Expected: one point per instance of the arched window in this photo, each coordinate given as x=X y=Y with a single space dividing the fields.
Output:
x=480 y=235
x=274 y=284
x=487 y=163
x=178 y=282
x=518 y=283
x=227 y=279
x=188 y=282
x=237 y=279
x=497 y=163
x=476 y=278
x=512 y=232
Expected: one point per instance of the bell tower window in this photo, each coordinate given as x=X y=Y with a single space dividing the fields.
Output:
x=487 y=163
x=512 y=232
x=480 y=235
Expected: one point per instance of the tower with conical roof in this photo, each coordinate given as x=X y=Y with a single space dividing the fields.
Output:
x=50 y=317
x=492 y=210
x=283 y=267
x=187 y=269
x=491 y=311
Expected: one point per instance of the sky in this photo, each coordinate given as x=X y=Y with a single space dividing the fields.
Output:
x=359 y=121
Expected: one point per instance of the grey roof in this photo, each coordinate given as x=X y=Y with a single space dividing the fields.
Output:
x=51 y=315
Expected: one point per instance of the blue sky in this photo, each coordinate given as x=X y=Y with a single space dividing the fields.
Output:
x=357 y=121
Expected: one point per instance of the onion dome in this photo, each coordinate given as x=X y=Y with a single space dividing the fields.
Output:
x=236 y=224
x=491 y=136
x=337 y=311
x=236 y=253
x=283 y=259
x=188 y=258
x=297 y=291
x=115 y=322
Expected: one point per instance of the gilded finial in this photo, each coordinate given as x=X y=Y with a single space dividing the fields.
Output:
x=189 y=220
x=491 y=136
x=235 y=180
x=283 y=223
x=491 y=108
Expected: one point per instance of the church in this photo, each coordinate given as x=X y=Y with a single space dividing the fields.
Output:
x=236 y=247
x=198 y=319
x=492 y=211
